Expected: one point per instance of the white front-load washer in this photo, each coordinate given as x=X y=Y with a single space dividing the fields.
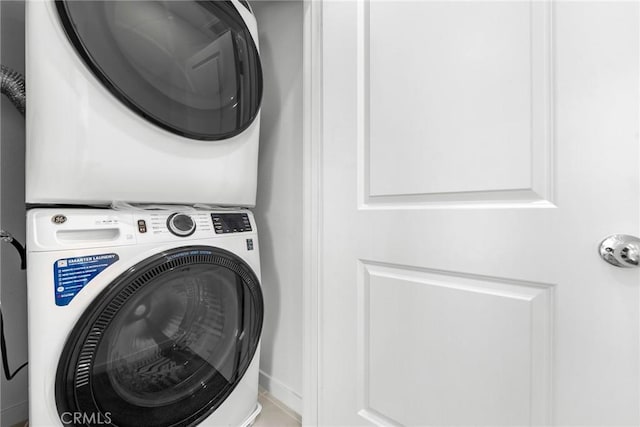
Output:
x=142 y=101
x=143 y=317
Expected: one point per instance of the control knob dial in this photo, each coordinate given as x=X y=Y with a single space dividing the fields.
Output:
x=181 y=225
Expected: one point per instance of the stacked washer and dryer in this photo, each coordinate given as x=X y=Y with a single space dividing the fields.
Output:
x=145 y=305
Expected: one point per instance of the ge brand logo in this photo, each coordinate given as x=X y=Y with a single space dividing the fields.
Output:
x=58 y=219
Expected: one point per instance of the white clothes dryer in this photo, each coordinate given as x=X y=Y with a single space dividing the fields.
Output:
x=142 y=101
x=143 y=318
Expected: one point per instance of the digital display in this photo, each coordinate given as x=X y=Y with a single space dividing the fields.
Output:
x=231 y=223
x=234 y=222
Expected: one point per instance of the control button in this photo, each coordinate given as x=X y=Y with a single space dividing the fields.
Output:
x=181 y=225
x=142 y=226
x=246 y=222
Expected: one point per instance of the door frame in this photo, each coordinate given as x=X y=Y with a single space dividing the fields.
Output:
x=312 y=161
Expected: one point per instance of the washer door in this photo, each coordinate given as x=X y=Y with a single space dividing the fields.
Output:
x=164 y=344
x=190 y=67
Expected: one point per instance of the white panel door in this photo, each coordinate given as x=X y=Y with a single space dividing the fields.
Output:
x=474 y=156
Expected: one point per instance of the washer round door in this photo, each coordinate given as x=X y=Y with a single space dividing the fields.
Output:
x=190 y=67
x=164 y=344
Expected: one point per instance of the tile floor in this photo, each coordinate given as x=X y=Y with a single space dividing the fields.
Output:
x=275 y=413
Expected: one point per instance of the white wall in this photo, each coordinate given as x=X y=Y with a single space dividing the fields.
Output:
x=279 y=205
x=14 y=397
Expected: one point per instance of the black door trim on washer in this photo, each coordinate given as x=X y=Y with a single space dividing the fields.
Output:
x=75 y=377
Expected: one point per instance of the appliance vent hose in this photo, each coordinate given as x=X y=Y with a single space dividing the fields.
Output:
x=12 y=85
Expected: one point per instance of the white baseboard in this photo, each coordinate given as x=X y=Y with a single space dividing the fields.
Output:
x=281 y=392
x=14 y=414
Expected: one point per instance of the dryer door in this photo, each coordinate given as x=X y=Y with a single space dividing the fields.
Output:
x=190 y=67
x=165 y=343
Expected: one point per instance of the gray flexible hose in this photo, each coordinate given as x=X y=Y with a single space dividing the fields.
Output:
x=12 y=85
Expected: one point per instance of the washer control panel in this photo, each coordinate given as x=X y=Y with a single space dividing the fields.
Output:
x=231 y=222
x=169 y=225
x=106 y=228
x=158 y=225
x=181 y=224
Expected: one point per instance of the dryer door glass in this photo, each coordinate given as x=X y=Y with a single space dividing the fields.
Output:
x=191 y=67
x=166 y=343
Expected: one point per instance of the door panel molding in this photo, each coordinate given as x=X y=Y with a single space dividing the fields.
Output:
x=532 y=190
x=514 y=314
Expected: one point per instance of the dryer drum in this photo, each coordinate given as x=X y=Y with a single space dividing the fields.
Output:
x=165 y=343
x=190 y=67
